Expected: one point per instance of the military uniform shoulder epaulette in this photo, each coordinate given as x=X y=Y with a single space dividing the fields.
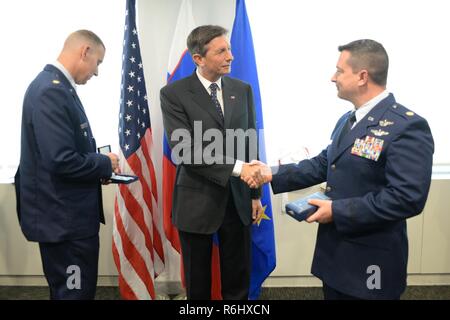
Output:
x=402 y=111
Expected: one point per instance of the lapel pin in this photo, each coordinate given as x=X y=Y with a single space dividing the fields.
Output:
x=370 y=118
x=385 y=123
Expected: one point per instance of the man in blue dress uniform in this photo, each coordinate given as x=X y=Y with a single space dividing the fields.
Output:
x=58 y=182
x=378 y=174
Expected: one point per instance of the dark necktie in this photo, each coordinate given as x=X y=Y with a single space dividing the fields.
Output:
x=347 y=127
x=216 y=102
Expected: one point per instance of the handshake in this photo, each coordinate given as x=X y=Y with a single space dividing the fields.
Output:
x=256 y=173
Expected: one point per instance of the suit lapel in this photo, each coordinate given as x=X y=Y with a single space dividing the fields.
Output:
x=229 y=100
x=360 y=130
x=203 y=99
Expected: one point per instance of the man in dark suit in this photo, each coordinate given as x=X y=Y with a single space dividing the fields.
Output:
x=209 y=196
x=378 y=174
x=58 y=180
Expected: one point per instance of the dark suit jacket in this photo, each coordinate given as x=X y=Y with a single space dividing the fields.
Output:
x=202 y=190
x=371 y=200
x=58 y=180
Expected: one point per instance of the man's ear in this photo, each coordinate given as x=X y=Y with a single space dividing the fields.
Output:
x=198 y=59
x=363 y=77
x=85 y=50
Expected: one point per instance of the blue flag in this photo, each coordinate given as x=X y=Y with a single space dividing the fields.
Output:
x=244 y=68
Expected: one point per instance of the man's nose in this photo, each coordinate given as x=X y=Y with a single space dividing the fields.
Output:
x=333 y=78
x=230 y=56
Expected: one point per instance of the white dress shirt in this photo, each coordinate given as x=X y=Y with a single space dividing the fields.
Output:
x=206 y=83
x=362 y=111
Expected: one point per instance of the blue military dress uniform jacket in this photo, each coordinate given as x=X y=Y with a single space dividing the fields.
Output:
x=377 y=177
x=58 y=181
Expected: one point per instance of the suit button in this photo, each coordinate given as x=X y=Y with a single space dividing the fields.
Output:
x=333 y=167
x=328 y=189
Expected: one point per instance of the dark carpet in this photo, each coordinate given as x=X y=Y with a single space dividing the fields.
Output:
x=285 y=293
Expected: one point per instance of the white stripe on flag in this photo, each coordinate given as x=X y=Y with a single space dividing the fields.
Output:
x=185 y=24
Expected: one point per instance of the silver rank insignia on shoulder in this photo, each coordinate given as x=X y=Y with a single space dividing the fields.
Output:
x=409 y=113
x=56 y=81
x=379 y=132
x=370 y=118
x=385 y=123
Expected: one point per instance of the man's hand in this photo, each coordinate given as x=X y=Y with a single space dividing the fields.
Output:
x=256 y=173
x=257 y=210
x=324 y=213
x=249 y=173
x=105 y=181
x=114 y=162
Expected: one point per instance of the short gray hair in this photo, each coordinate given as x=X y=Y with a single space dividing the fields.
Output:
x=88 y=35
x=201 y=36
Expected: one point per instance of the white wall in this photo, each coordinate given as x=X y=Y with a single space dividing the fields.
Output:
x=296 y=51
x=32 y=35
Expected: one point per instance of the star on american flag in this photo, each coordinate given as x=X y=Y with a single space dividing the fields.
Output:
x=134 y=122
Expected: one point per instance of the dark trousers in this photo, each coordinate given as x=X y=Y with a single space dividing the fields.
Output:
x=71 y=268
x=235 y=263
x=332 y=294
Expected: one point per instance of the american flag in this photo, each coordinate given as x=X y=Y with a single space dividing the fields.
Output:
x=137 y=245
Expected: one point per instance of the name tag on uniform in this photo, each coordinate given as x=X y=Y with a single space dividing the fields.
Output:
x=369 y=148
x=84 y=125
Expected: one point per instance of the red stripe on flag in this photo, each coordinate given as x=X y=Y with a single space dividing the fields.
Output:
x=171 y=232
x=149 y=141
x=132 y=255
x=135 y=211
x=135 y=164
x=216 y=287
x=125 y=291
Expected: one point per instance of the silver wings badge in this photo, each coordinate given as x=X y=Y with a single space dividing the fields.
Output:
x=379 y=132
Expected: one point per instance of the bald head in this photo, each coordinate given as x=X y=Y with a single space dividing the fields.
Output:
x=80 y=37
x=81 y=55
